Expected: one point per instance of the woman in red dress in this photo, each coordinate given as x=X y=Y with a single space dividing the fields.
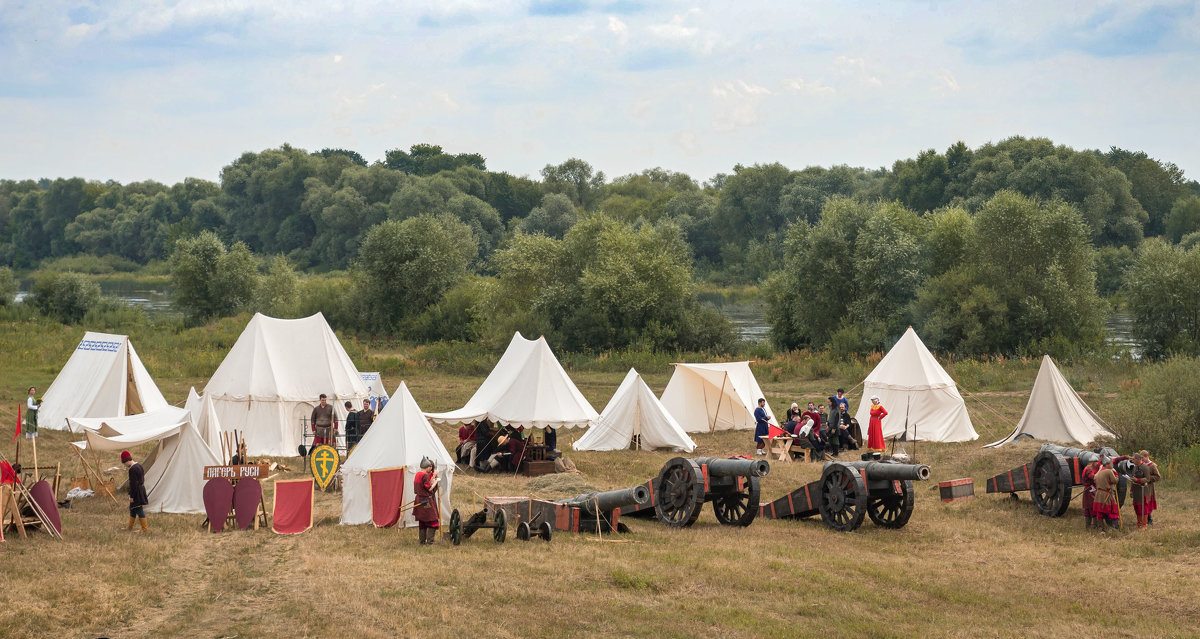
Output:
x=875 y=428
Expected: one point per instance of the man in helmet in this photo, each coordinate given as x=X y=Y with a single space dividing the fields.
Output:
x=425 y=485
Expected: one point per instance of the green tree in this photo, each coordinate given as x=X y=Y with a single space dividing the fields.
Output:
x=574 y=179
x=1184 y=218
x=406 y=266
x=278 y=291
x=1163 y=296
x=8 y=286
x=553 y=218
x=429 y=159
x=65 y=297
x=1156 y=185
x=209 y=280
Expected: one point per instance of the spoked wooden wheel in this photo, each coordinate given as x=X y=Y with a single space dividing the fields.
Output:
x=523 y=531
x=1051 y=490
x=501 y=528
x=893 y=509
x=843 y=498
x=456 y=535
x=738 y=508
x=680 y=493
x=545 y=531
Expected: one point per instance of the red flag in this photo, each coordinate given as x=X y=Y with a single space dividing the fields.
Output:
x=18 y=433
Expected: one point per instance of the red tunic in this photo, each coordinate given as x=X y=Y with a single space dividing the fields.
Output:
x=425 y=511
x=1089 y=488
x=1106 y=504
x=875 y=429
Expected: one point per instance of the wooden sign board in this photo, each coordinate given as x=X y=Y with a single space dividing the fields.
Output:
x=236 y=472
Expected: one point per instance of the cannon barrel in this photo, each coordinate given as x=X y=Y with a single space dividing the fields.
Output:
x=718 y=467
x=1084 y=455
x=607 y=501
x=887 y=470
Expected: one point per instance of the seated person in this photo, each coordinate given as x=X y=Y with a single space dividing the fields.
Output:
x=550 y=437
x=793 y=413
x=792 y=426
x=817 y=441
x=846 y=433
x=466 y=442
x=484 y=445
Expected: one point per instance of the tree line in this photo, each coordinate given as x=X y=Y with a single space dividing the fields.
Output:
x=1004 y=248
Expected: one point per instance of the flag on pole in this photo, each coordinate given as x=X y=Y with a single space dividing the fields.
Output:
x=18 y=433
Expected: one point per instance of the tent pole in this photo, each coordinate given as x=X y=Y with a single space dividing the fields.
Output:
x=36 y=475
x=717 y=413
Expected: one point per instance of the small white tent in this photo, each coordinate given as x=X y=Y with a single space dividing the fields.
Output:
x=632 y=412
x=174 y=469
x=712 y=397
x=103 y=378
x=401 y=436
x=528 y=387
x=921 y=399
x=1056 y=412
x=204 y=418
x=269 y=382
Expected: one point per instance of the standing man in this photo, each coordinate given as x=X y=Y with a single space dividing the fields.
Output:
x=761 y=426
x=324 y=423
x=1106 y=507
x=1089 y=491
x=425 y=510
x=366 y=417
x=352 y=432
x=1152 y=477
x=137 y=492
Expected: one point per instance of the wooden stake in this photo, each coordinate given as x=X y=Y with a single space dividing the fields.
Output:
x=36 y=475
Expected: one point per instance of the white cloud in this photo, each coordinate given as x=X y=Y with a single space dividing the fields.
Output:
x=858 y=69
x=813 y=87
x=618 y=28
x=945 y=82
x=675 y=29
x=443 y=98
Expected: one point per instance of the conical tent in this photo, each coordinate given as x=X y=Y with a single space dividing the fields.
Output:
x=1056 y=412
x=709 y=397
x=104 y=377
x=173 y=469
x=921 y=399
x=401 y=436
x=204 y=418
x=268 y=384
x=528 y=387
x=632 y=412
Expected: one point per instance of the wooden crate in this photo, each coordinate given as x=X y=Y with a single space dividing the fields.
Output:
x=956 y=489
x=533 y=468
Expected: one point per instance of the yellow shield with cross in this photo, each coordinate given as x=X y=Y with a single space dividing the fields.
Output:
x=324 y=462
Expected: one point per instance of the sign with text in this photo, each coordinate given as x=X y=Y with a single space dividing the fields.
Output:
x=236 y=472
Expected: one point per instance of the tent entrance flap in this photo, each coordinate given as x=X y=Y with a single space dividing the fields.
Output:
x=720 y=396
x=133 y=401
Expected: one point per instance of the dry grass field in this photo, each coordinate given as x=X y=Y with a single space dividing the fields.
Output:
x=987 y=567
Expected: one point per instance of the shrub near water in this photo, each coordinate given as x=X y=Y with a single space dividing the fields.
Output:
x=1162 y=414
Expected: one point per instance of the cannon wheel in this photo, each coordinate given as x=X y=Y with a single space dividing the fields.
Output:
x=892 y=510
x=456 y=536
x=1051 y=490
x=738 y=508
x=843 y=498
x=501 y=528
x=545 y=531
x=680 y=493
x=523 y=531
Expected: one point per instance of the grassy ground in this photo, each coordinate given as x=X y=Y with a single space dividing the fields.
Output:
x=978 y=568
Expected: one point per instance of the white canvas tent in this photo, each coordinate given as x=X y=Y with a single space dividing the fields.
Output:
x=174 y=469
x=711 y=397
x=1056 y=412
x=103 y=377
x=632 y=412
x=528 y=387
x=401 y=436
x=921 y=399
x=268 y=384
x=204 y=418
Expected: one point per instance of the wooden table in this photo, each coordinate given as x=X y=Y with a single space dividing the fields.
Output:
x=780 y=448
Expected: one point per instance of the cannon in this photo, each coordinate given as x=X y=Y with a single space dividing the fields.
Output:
x=460 y=530
x=849 y=491
x=1053 y=473
x=684 y=485
x=590 y=512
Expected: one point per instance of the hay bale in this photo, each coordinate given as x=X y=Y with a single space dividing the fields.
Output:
x=558 y=485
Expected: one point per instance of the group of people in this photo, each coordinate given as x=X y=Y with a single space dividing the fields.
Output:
x=324 y=422
x=828 y=430
x=487 y=448
x=1101 y=505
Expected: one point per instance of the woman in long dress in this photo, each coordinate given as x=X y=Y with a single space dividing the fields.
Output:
x=875 y=428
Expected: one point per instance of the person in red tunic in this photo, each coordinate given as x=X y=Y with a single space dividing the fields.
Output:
x=1106 y=507
x=1089 y=491
x=425 y=485
x=875 y=428
x=1149 y=501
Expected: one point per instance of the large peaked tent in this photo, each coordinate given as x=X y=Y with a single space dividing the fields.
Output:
x=632 y=412
x=921 y=399
x=528 y=387
x=401 y=436
x=710 y=397
x=269 y=382
x=174 y=469
x=104 y=377
x=1055 y=412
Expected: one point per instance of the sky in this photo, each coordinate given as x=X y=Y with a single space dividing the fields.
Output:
x=166 y=90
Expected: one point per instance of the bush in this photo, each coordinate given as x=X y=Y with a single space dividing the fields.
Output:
x=8 y=286
x=66 y=297
x=1162 y=413
x=209 y=280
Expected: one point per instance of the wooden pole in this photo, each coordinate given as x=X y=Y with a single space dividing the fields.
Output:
x=36 y=475
x=720 y=397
